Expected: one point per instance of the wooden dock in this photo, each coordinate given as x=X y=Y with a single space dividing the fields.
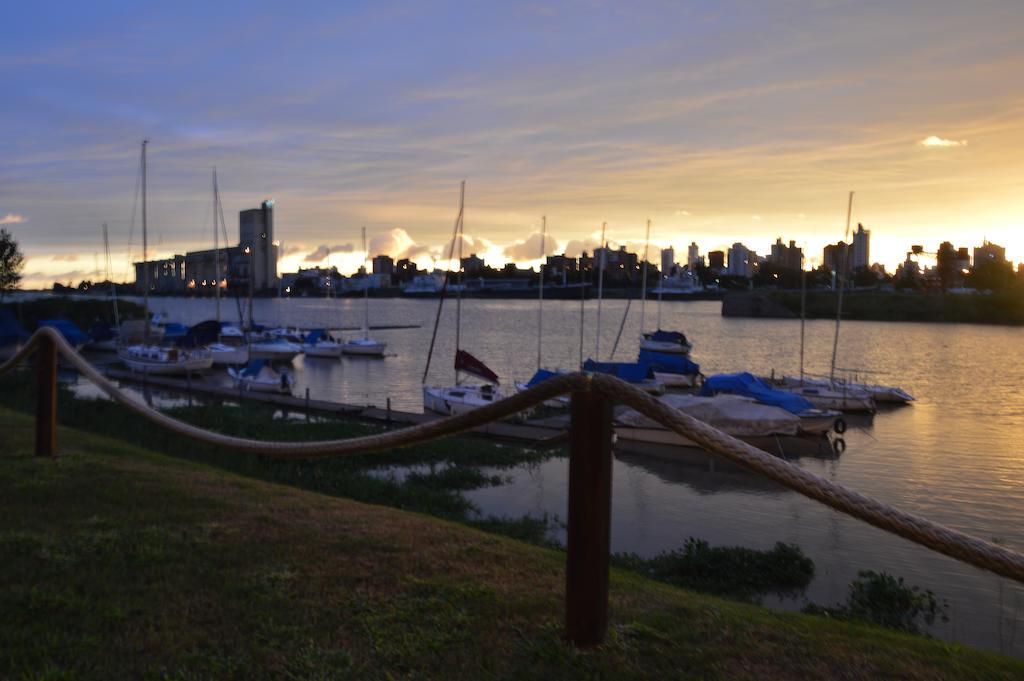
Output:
x=537 y=434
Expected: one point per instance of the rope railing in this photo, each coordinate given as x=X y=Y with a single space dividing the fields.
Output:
x=592 y=396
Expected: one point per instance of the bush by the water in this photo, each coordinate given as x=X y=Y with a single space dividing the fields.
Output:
x=881 y=598
x=726 y=570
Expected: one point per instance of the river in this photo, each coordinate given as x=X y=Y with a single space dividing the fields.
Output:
x=953 y=456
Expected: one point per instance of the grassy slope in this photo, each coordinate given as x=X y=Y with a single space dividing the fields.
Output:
x=117 y=562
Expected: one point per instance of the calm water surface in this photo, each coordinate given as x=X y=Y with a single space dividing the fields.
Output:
x=954 y=456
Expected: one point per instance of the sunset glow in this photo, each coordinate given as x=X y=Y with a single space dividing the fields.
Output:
x=720 y=125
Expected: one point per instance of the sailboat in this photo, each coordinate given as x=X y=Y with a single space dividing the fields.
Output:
x=146 y=356
x=836 y=393
x=543 y=374
x=259 y=376
x=671 y=342
x=103 y=336
x=319 y=342
x=459 y=399
x=365 y=346
x=227 y=349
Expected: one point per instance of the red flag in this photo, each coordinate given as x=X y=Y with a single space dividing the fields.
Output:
x=471 y=365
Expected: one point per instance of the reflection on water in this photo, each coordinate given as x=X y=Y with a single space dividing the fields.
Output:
x=953 y=456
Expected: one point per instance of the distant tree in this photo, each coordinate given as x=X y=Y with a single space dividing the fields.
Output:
x=770 y=274
x=991 y=276
x=907 y=278
x=865 y=276
x=11 y=262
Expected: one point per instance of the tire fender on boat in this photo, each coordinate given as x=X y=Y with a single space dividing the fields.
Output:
x=839 y=426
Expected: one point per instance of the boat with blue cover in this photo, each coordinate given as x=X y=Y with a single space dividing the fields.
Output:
x=639 y=374
x=812 y=419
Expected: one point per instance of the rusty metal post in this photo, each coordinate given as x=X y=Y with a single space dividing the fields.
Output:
x=589 y=523
x=46 y=397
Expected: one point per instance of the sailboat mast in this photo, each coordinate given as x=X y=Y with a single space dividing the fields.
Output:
x=803 y=317
x=600 y=291
x=366 y=291
x=145 y=248
x=458 y=279
x=444 y=287
x=113 y=287
x=216 y=248
x=840 y=278
x=661 y=288
x=540 y=287
x=643 y=278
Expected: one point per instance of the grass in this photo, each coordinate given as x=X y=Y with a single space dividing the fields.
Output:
x=122 y=563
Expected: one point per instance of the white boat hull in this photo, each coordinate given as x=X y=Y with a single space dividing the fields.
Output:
x=666 y=347
x=229 y=354
x=823 y=398
x=326 y=349
x=676 y=380
x=160 y=362
x=452 y=401
x=662 y=441
x=275 y=352
x=366 y=348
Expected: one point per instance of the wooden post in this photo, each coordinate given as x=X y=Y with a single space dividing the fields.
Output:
x=46 y=397
x=589 y=525
x=389 y=412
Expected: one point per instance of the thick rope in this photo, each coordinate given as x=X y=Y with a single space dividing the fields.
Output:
x=937 y=537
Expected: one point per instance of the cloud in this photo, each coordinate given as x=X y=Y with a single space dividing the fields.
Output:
x=397 y=244
x=575 y=247
x=682 y=212
x=933 y=141
x=323 y=250
x=70 y=257
x=292 y=250
x=13 y=219
x=470 y=245
x=530 y=248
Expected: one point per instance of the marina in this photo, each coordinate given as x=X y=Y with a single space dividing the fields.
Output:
x=915 y=457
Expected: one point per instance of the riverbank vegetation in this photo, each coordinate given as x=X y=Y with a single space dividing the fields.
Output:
x=123 y=563
x=1001 y=307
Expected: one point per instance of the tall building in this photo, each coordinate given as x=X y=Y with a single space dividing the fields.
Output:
x=716 y=260
x=790 y=257
x=383 y=264
x=256 y=232
x=836 y=256
x=165 y=276
x=693 y=258
x=668 y=261
x=473 y=264
x=742 y=261
x=989 y=252
x=861 y=247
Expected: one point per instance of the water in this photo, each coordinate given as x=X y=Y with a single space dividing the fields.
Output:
x=953 y=456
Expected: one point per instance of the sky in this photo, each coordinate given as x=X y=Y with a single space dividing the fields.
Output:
x=718 y=121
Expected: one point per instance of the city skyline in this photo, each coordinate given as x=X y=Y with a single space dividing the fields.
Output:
x=721 y=124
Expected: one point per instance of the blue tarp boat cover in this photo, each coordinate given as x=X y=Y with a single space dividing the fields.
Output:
x=315 y=336
x=254 y=367
x=667 y=336
x=10 y=330
x=669 y=364
x=632 y=372
x=174 y=330
x=748 y=385
x=72 y=334
x=541 y=375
